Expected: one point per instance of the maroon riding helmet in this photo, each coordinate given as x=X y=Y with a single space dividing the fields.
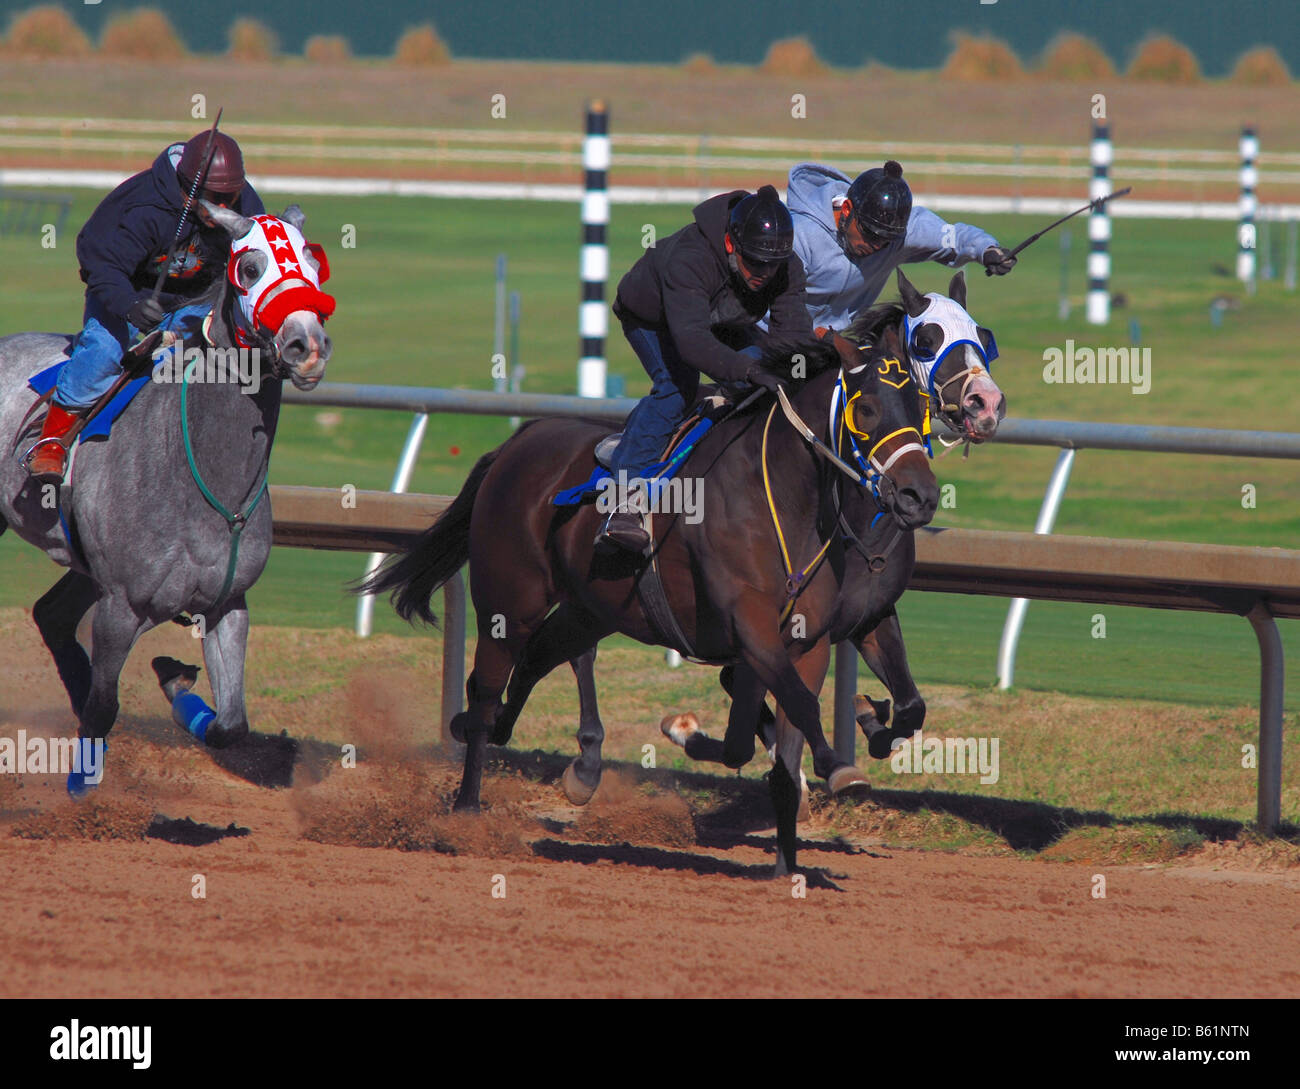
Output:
x=224 y=180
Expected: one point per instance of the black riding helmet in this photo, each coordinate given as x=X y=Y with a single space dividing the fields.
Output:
x=761 y=228
x=882 y=202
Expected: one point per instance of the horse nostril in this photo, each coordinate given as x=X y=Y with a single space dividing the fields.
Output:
x=296 y=347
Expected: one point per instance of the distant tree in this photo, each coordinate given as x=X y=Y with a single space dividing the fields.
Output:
x=792 y=57
x=327 y=49
x=1261 y=67
x=420 y=47
x=252 y=41
x=144 y=34
x=1161 y=59
x=46 y=31
x=700 y=64
x=1073 y=57
x=981 y=60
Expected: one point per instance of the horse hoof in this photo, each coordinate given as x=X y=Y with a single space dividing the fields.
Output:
x=847 y=782
x=218 y=736
x=578 y=792
x=881 y=744
x=864 y=707
x=680 y=728
x=457 y=727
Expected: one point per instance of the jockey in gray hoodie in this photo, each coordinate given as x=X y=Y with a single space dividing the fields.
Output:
x=850 y=236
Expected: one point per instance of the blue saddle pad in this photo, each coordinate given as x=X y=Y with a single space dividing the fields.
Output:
x=182 y=319
x=103 y=423
x=660 y=470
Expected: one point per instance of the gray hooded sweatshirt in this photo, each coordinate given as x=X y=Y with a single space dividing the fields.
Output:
x=838 y=288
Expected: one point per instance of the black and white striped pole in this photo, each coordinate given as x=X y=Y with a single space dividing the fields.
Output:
x=1099 y=228
x=593 y=316
x=1246 y=206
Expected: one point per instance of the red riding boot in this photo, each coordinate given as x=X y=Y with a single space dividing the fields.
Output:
x=50 y=455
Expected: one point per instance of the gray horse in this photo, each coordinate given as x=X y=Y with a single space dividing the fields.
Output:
x=142 y=542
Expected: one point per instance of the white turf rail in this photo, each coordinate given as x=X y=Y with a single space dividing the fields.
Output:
x=299 y=185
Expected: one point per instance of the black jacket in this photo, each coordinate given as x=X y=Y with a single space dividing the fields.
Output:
x=684 y=284
x=122 y=243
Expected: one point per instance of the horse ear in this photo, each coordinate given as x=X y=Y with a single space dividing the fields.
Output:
x=957 y=289
x=890 y=342
x=912 y=299
x=213 y=215
x=295 y=215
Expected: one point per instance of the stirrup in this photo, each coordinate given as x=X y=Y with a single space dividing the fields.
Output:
x=630 y=536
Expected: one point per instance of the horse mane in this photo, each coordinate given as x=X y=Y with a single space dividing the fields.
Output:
x=779 y=356
x=868 y=326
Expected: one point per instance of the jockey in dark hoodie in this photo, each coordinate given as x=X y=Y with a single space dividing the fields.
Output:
x=120 y=250
x=692 y=304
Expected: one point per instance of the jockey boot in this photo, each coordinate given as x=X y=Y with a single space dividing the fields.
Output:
x=624 y=530
x=49 y=455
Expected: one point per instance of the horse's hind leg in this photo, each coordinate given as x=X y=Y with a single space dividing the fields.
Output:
x=57 y=614
x=582 y=777
x=224 y=649
x=493 y=661
x=886 y=656
x=569 y=632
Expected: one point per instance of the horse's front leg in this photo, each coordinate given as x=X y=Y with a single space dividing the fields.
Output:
x=886 y=656
x=114 y=631
x=795 y=686
x=225 y=645
x=736 y=748
x=57 y=614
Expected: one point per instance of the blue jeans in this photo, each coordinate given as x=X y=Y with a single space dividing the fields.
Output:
x=96 y=358
x=655 y=418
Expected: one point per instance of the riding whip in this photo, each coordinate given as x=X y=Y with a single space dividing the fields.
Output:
x=199 y=177
x=1092 y=205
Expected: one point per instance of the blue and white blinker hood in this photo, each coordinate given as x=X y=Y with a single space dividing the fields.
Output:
x=958 y=328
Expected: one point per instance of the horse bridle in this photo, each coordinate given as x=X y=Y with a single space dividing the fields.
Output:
x=873 y=474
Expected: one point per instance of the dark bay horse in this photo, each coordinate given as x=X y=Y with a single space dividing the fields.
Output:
x=143 y=544
x=941 y=353
x=727 y=577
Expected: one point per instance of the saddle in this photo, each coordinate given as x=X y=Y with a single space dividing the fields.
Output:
x=649 y=584
x=98 y=419
x=707 y=408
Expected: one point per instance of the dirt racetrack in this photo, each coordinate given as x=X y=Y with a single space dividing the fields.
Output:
x=326 y=881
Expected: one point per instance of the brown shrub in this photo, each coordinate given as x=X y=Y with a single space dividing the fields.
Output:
x=981 y=60
x=253 y=41
x=145 y=34
x=1073 y=57
x=420 y=47
x=1261 y=67
x=327 y=49
x=792 y=57
x=46 y=31
x=1161 y=59
x=700 y=64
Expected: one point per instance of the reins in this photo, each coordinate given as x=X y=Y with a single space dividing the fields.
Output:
x=871 y=475
x=236 y=522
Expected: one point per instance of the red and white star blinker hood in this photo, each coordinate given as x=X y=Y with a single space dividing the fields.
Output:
x=289 y=281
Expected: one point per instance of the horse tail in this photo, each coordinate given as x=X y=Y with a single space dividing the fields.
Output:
x=441 y=551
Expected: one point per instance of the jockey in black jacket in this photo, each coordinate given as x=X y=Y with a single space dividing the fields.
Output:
x=691 y=304
x=121 y=249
